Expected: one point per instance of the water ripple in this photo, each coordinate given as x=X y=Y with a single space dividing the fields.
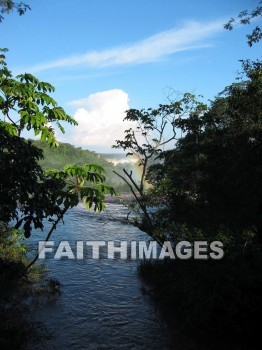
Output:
x=101 y=306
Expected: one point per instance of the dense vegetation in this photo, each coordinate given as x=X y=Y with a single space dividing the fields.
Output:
x=57 y=158
x=212 y=189
x=209 y=187
x=18 y=286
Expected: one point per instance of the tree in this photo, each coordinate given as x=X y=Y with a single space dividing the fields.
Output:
x=29 y=195
x=154 y=129
x=26 y=99
x=212 y=179
x=209 y=187
x=245 y=18
x=7 y=6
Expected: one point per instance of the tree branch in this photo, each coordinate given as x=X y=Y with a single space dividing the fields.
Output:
x=47 y=238
x=129 y=185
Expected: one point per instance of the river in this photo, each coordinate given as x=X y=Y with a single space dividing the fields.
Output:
x=103 y=304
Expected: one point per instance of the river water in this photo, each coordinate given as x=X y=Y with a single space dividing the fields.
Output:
x=103 y=304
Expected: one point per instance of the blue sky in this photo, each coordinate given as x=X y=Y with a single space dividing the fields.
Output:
x=105 y=56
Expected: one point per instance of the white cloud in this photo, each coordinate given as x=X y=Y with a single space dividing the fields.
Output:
x=192 y=35
x=100 y=118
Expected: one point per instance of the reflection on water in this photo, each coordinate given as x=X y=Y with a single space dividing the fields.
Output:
x=101 y=306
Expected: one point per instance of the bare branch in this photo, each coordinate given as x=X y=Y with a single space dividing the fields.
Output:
x=131 y=179
x=129 y=185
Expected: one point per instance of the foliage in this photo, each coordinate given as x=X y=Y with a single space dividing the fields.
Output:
x=19 y=286
x=146 y=140
x=209 y=187
x=19 y=173
x=28 y=194
x=85 y=183
x=57 y=158
x=245 y=18
x=7 y=6
x=212 y=179
x=26 y=98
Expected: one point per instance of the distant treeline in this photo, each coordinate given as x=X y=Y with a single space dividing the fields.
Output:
x=57 y=158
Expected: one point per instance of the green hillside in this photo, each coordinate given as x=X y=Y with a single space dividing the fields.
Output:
x=57 y=158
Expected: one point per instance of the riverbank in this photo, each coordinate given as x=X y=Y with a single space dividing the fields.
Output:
x=125 y=197
x=19 y=290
